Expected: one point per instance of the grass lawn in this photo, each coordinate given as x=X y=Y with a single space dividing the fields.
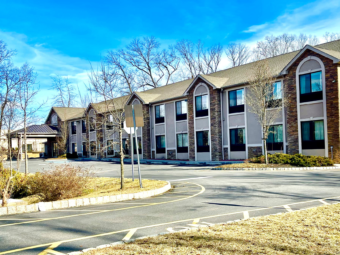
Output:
x=105 y=186
x=312 y=231
x=254 y=165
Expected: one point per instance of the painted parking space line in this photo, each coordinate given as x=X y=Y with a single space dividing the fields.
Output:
x=129 y=234
x=246 y=215
x=324 y=202
x=287 y=207
x=50 y=249
x=196 y=221
x=111 y=210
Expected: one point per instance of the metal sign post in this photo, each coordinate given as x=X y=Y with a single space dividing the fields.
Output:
x=137 y=149
x=131 y=141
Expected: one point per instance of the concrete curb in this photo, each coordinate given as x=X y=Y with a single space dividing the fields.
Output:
x=46 y=206
x=182 y=230
x=278 y=169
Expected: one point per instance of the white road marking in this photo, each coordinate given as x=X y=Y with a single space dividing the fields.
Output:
x=288 y=208
x=190 y=178
x=246 y=215
x=196 y=221
x=129 y=234
x=324 y=202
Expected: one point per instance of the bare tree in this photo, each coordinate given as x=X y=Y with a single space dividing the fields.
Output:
x=237 y=53
x=65 y=91
x=197 y=60
x=151 y=65
x=26 y=97
x=331 y=36
x=264 y=99
x=104 y=83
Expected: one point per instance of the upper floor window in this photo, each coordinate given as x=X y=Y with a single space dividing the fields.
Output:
x=159 y=113
x=182 y=143
x=274 y=95
x=109 y=122
x=92 y=124
x=202 y=106
x=160 y=144
x=313 y=134
x=237 y=139
x=236 y=101
x=202 y=141
x=54 y=119
x=83 y=126
x=275 y=138
x=74 y=127
x=310 y=87
x=181 y=110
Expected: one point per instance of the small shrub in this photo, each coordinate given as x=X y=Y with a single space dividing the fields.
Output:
x=62 y=182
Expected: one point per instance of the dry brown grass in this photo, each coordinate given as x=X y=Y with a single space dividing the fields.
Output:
x=254 y=165
x=313 y=231
x=105 y=186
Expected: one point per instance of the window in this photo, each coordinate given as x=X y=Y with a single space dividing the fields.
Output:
x=74 y=127
x=126 y=146
x=310 y=87
x=109 y=148
x=275 y=138
x=83 y=126
x=54 y=119
x=237 y=139
x=202 y=141
x=29 y=148
x=202 y=106
x=181 y=110
x=84 y=150
x=313 y=134
x=182 y=143
x=93 y=148
x=109 y=122
x=74 y=148
x=159 y=113
x=236 y=101
x=160 y=144
x=92 y=124
x=274 y=99
x=139 y=145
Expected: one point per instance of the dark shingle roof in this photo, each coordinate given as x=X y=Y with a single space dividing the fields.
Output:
x=39 y=129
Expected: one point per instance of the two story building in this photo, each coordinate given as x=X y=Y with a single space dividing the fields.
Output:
x=207 y=118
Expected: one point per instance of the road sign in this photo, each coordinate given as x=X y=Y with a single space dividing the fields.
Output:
x=129 y=130
x=138 y=109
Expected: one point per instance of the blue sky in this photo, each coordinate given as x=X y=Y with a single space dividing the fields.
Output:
x=63 y=37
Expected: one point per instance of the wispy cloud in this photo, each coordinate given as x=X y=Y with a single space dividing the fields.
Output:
x=255 y=28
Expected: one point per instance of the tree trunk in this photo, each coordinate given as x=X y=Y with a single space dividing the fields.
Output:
x=25 y=144
x=5 y=192
x=121 y=158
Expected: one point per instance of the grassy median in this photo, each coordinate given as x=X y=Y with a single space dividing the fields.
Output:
x=312 y=231
x=253 y=166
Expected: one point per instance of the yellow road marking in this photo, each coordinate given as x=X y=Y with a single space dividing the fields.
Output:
x=246 y=215
x=104 y=211
x=196 y=221
x=129 y=235
x=50 y=249
x=287 y=207
x=150 y=226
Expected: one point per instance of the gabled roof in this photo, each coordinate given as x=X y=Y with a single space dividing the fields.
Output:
x=67 y=113
x=42 y=129
x=114 y=104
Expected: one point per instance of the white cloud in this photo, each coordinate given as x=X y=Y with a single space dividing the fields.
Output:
x=255 y=28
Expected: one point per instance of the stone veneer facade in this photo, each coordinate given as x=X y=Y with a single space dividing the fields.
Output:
x=332 y=104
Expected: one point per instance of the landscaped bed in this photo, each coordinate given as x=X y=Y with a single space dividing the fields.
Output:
x=69 y=182
x=312 y=231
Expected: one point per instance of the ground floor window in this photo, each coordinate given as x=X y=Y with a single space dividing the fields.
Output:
x=237 y=139
x=182 y=143
x=126 y=146
x=109 y=148
x=74 y=147
x=202 y=141
x=93 y=148
x=139 y=139
x=160 y=144
x=84 y=150
x=312 y=133
x=275 y=138
x=29 y=148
